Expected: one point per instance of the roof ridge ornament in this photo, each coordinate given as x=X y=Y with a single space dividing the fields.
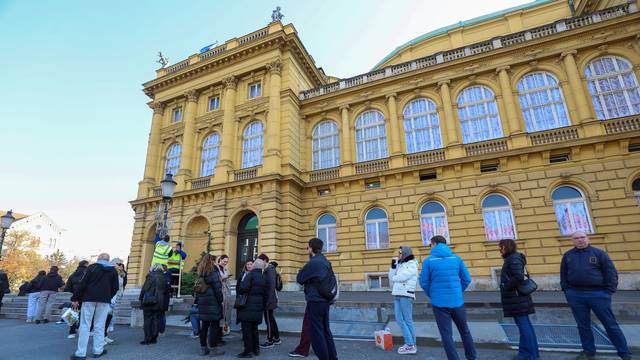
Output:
x=276 y=15
x=162 y=60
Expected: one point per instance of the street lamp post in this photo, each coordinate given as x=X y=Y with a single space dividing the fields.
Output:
x=5 y=223
x=168 y=186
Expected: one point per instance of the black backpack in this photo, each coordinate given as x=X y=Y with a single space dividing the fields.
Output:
x=328 y=286
x=278 y=282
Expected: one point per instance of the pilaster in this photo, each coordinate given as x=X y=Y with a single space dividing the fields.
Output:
x=273 y=156
x=188 y=137
x=227 y=146
x=153 y=151
x=445 y=95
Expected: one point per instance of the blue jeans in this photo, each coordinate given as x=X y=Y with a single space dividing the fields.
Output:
x=459 y=316
x=582 y=302
x=403 y=307
x=528 y=347
x=193 y=317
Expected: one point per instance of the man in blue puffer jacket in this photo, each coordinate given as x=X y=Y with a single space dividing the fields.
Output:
x=443 y=278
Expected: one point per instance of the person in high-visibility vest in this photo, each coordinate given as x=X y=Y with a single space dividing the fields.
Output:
x=162 y=251
x=175 y=264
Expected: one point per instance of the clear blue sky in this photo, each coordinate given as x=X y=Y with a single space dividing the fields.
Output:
x=73 y=118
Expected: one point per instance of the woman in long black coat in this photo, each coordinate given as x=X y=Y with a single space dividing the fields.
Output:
x=209 y=300
x=515 y=304
x=155 y=287
x=254 y=286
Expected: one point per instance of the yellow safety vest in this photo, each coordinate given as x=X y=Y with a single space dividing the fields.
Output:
x=175 y=261
x=161 y=254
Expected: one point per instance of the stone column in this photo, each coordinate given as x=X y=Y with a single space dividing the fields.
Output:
x=449 y=118
x=227 y=146
x=507 y=95
x=273 y=156
x=153 y=152
x=575 y=83
x=395 y=145
x=346 y=136
x=188 y=135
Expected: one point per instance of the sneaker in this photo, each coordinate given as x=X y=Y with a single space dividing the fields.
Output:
x=59 y=322
x=104 y=352
x=76 y=357
x=267 y=345
x=194 y=336
x=29 y=320
x=277 y=342
x=216 y=352
x=71 y=336
x=46 y=321
x=407 y=350
x=244 y=355
x=108 y=340
x=585 y=356
x=295 y=354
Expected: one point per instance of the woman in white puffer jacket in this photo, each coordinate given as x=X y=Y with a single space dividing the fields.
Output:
x=403 y=276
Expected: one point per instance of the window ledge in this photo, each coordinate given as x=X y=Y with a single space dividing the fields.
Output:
x=378 y=251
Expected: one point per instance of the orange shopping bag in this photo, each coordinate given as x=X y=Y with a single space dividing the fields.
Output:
x=384 y=340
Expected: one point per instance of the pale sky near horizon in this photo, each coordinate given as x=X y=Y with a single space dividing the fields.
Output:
x=73 y=119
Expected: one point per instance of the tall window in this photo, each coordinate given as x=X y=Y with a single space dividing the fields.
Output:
x=571 y=210
x=252 y=145
x=613 y=86
x=172 y=162
x=214 y=103
x=177 y=114
x=421 y=126
x=541 y=101
x=255 y=90
x=377 y=229
x=326 y=231
x=371 y=136
x=433 y=221
x=325 y=145
x=635 y=186
x=478 y=113
x=498 y=218
x=210 y=151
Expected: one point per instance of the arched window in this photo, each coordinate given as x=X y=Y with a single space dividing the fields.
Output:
x=571 y=210
x=478 y=111
x=541 y=100
x=371 y=136
x=172 y=161
x=635 y=186
x=433 y=221
x=498 y=218
x=422 y=126
x=325 y=145
x=210 y=151
x=326 y=231
x=252 y=145
x=377 y=229
x=613 y=86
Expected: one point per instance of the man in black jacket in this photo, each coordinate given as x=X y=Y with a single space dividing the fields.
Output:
x=273 y=334
x=588 y=279
x=49 y=286
x=95 y=290
x=72 y=283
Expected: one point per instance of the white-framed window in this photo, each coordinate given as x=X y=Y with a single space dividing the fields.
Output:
x=376 y=229
x=635 y=187
x=252 y=145
x=176 y=115
x=255 y=90
x=613 y=86
x=479 y=117
x=326 y=231
x=210 y=152
x=371 y=136
x=433 y=221
x=498 y=218
x=378 y=281
x=422 y=126
x=172 y=161
x=214 y=103
x=571 y=210
x=541 y=101
x=325 y=145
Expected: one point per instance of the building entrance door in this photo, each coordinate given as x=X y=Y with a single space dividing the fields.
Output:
x=247 y=242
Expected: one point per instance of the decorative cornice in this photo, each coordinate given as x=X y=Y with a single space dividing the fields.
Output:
x=230 y=82
x=274 y=67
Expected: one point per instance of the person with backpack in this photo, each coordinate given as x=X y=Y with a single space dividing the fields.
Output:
x=271 y=275
x=49 y=286
x=250 y=301
x=152 y=298
x=208 y=289
x=403 y=275
x=320 y=290
x=70 y=287
x=33 y=289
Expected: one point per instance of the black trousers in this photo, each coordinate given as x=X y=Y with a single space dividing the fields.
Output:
x=250 y=337
x=151 y=324
x=272 y=326
x=210 y=329
x=321 y=337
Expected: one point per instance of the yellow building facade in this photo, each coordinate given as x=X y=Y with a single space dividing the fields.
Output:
x=520 y=124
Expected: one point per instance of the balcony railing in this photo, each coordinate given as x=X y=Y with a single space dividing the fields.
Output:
x=157 y=191
x=615 y=126
x=213 y=52
x=324 y=174
x=473 y=49
x=425 y=157
x=485 y=147
x=201 y=182
x=253 y=36
x=177 y=67
x=554 y=136
x=245 y=174
x=372 y=166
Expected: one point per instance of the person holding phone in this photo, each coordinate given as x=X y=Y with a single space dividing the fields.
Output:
x=403 y=276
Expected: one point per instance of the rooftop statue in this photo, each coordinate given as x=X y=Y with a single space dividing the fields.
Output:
x=163 y=60
x=276 y=15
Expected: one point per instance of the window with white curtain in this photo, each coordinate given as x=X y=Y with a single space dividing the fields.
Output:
x=214 y=103
x=541 y=101
x=422 y=126
x=498 y=218
x=325 y=145
x=176 y=116
x=210 y=152
x=255 y=90
x=571 y=210
x=635 y=186
x=478 y=112
x=371 y=136
x=252 y=145
x=172 y=161
x=613 y=86
x=326 y=231
x=433 y=221
x=376 y=229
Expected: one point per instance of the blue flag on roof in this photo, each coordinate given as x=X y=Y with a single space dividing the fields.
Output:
x=208 y=47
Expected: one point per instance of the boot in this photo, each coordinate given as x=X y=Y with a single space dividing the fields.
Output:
x=216 y=352
x=204 y=351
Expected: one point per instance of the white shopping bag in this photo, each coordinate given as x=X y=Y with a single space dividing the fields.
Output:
x=70 y=316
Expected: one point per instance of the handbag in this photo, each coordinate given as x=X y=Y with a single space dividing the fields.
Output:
x=149 y=299
x=241 y=301
x=528 y=286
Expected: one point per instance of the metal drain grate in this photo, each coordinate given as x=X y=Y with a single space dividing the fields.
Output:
x=559 y=336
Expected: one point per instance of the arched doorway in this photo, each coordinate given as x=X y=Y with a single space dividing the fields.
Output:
x=195 y=240
x=247 y=241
